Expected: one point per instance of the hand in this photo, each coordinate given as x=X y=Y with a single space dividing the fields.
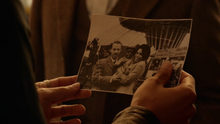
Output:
x=119 y=74
x=58 y=90
x=170 y=105
x=120 y=61
x=115 y=77
x=123 y=60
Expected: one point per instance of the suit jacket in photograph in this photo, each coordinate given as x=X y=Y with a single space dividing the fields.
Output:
x=102 y=74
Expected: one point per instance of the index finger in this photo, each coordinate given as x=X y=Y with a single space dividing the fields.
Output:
x=63 y=81
x=187 y=80
x=60 y=94
x=57 y=82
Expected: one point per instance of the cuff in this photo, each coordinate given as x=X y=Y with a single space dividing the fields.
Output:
x=135 y=115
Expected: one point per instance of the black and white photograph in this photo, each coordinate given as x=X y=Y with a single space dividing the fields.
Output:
x=122 y=52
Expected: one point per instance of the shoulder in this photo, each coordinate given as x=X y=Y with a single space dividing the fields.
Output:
x=104 y=60
x=141 y=64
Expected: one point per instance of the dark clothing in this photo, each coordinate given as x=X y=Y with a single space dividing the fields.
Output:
x=19 y=99
x=60 y=29
x=135 y=115
x=93 y=51
x=102 y=73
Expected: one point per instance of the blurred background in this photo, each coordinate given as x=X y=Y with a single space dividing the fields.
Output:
x=27 y=5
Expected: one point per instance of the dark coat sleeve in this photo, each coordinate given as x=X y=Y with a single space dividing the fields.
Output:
x=19 y=98
x=102 y=72
x=135 y=115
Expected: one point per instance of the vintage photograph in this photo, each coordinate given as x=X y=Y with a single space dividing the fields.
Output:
x=122 y=52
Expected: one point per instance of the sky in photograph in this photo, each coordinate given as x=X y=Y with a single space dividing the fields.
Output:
x=108 y=30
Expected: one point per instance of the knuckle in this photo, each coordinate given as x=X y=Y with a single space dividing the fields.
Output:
x=63 y=111
x=191 y=77
x=151 y=80
x=59 y=81
x=65 y=92
x=192 y=111
x=41 y=92
x=190 y=94
x=193 y=95
x=163 y=77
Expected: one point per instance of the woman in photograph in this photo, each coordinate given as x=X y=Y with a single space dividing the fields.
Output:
x=133 y=69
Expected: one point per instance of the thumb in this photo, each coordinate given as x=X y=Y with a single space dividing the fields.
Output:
x=165 y=73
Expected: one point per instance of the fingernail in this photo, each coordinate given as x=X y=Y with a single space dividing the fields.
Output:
x=81 y=85
x=167 y=65
x=77 y=84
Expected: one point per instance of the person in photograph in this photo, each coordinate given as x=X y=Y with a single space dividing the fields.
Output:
x=132 y=70
x=177 y=67
x=128 y=55
x=93 y=47
x=103 y=53
x=103 y=69
x=176 y=75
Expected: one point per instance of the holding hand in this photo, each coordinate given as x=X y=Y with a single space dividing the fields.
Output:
x=115 y=77
x=58 y=90
x=170 y=105
x=121 y=61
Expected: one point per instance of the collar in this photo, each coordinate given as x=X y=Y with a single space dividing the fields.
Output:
x=114 y=60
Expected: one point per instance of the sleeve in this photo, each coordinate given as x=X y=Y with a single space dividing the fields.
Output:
x=134 y=74
x=98 y=76
x=135 y=115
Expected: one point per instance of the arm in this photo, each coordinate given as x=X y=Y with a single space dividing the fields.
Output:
x=134 y=74
x=98 y=74
x=120 y=62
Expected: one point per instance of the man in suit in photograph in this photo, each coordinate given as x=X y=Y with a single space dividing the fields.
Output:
x=102 y=78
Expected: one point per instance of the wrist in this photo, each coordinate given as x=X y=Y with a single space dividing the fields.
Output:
x=110 y=80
